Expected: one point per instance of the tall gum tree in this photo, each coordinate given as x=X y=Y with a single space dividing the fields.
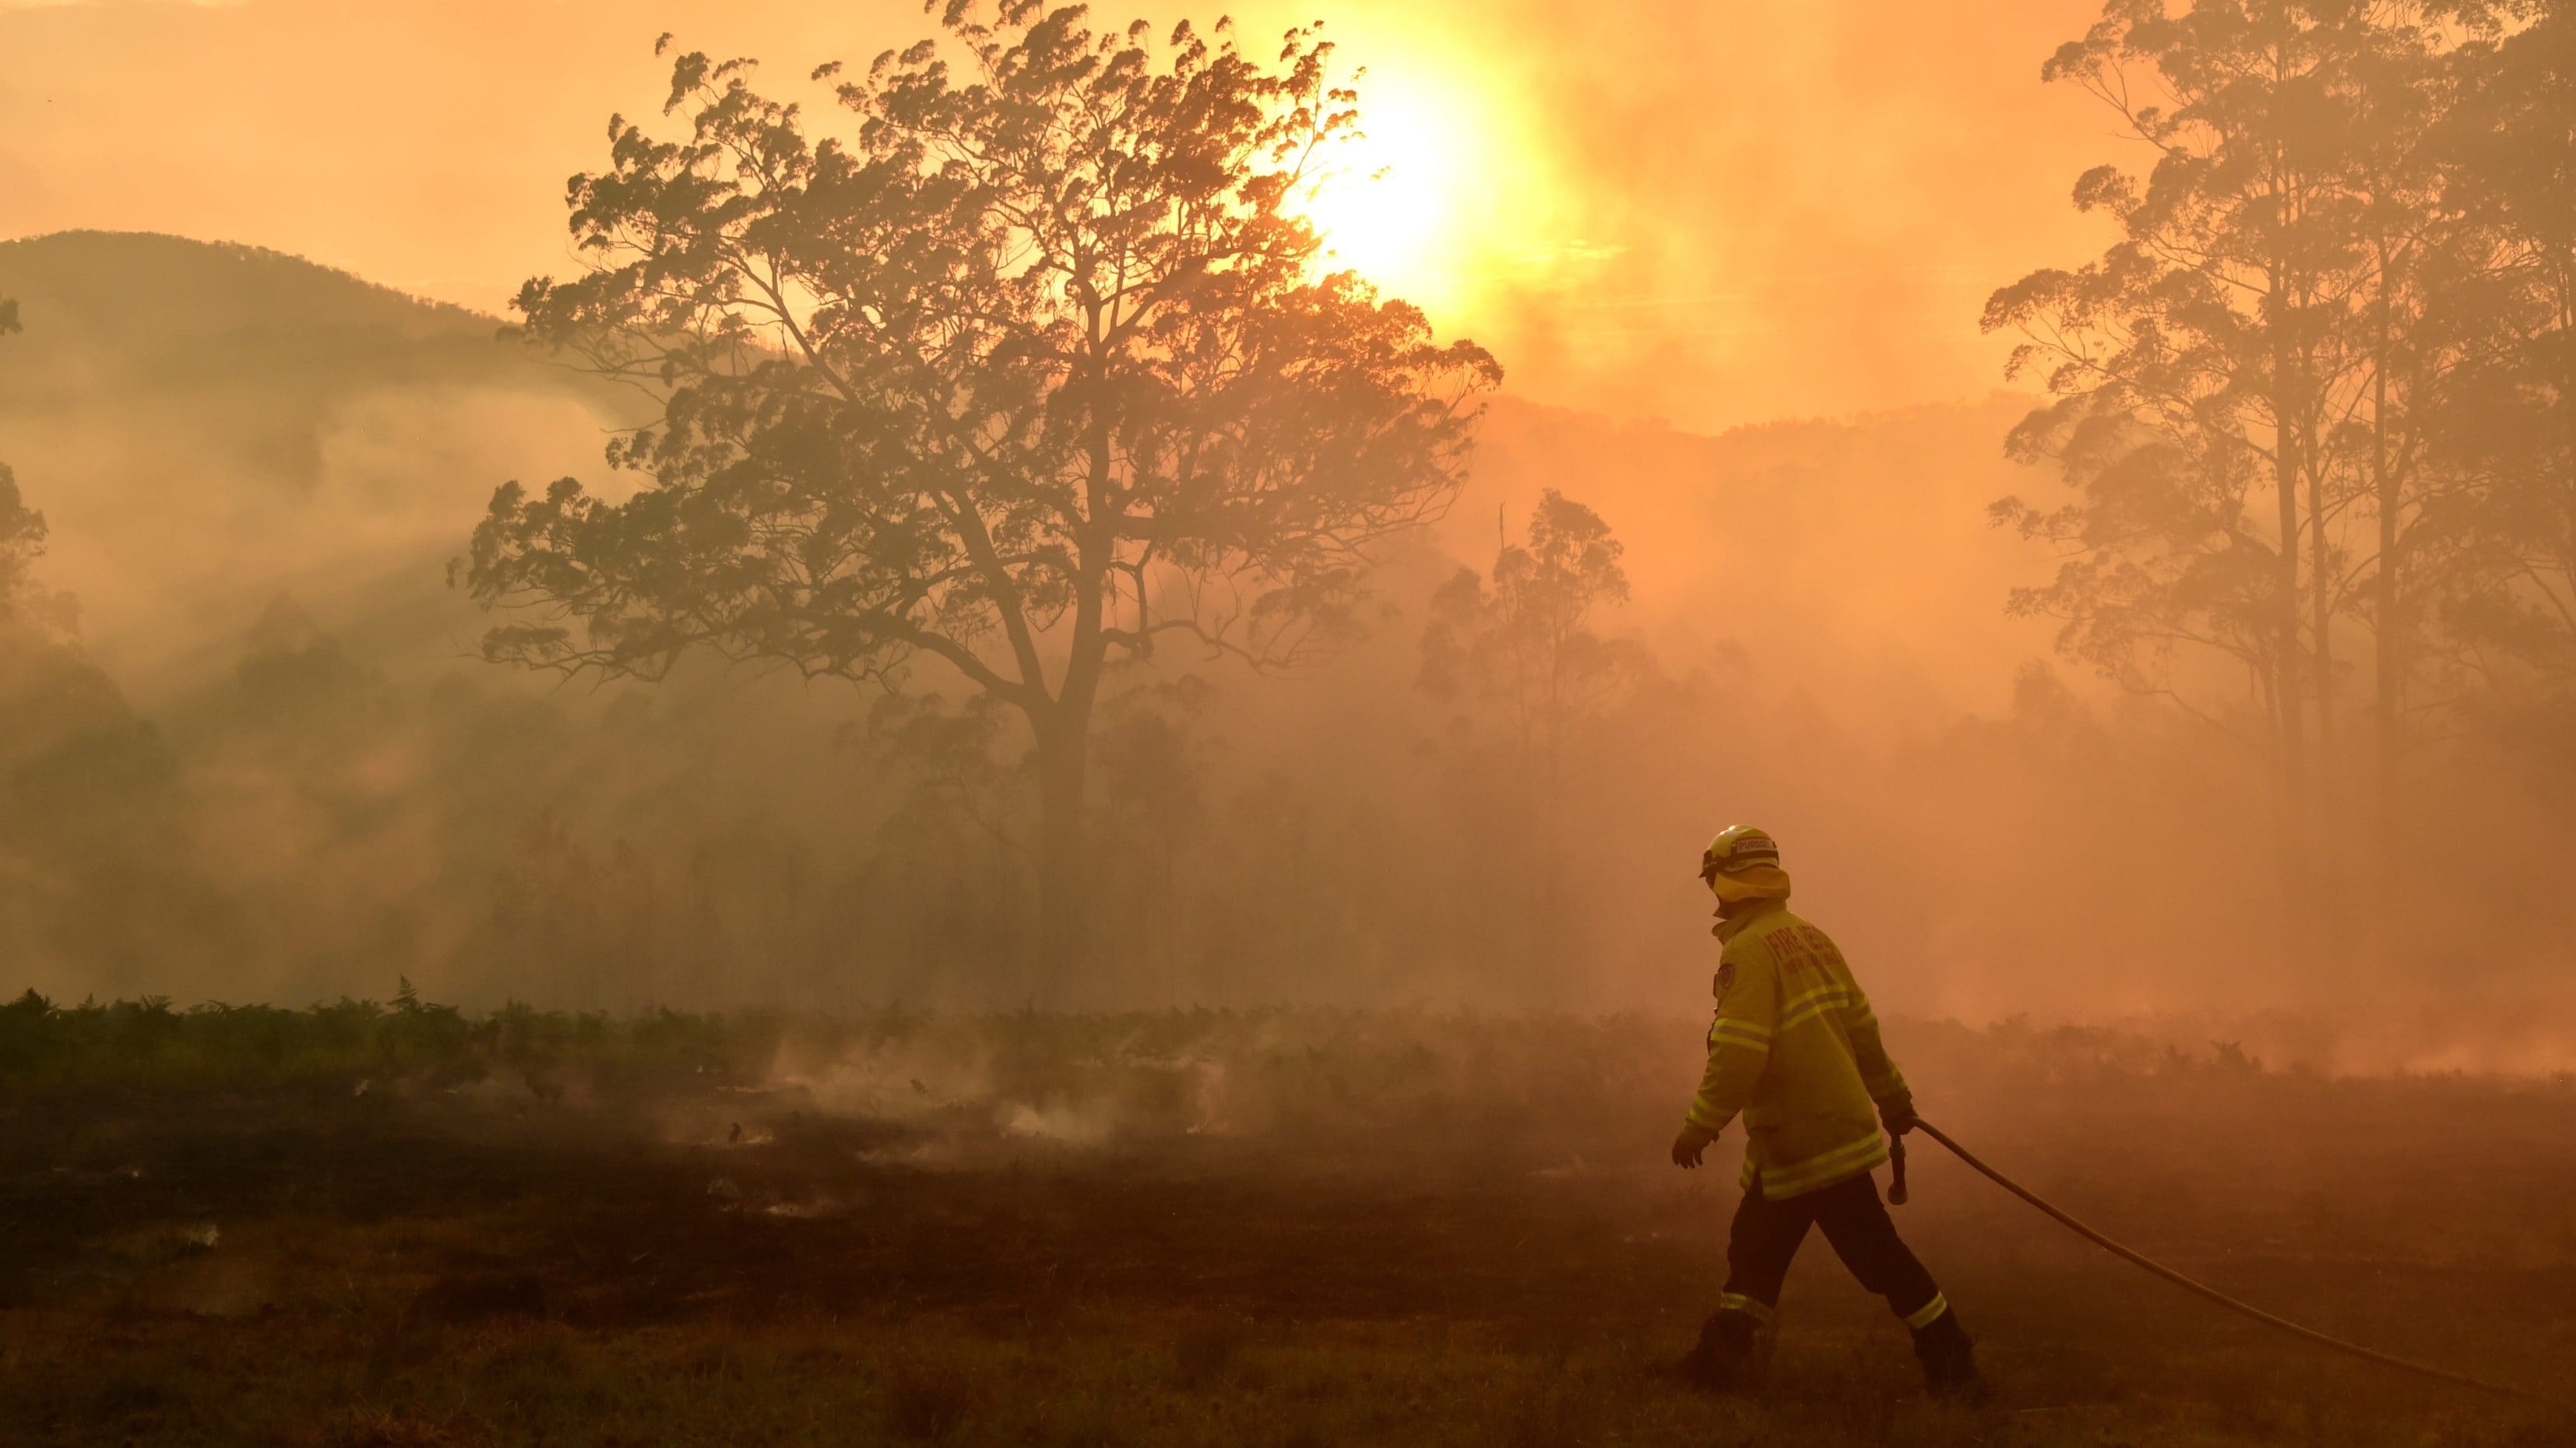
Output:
x=2400 y=84
x=1023 y=364
x=2239 y=380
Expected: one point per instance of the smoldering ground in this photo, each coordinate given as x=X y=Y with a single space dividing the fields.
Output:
x=1034 y=1227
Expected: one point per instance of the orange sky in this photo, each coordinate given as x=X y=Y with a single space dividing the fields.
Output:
x=1708 y=212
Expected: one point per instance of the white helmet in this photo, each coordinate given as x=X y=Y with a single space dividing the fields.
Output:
x=1739 y=848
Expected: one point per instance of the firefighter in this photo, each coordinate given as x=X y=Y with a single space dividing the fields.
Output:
x=1795 y=1049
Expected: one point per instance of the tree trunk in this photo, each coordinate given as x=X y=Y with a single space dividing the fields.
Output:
x=2566 y=381
x=2327 y=795
x=2388 y=664
x=1064 y=940
x=2290 y=801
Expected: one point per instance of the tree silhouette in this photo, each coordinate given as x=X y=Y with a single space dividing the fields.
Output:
x=1524 y=646
x=1525 y=642
x=22 y=529
x=1025 y=368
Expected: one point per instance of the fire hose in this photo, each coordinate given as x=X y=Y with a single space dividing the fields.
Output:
x=1897 y=1194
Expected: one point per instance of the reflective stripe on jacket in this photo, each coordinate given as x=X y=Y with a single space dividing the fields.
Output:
x=1795 y=1049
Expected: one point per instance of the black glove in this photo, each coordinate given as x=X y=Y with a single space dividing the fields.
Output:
x=1897 y=1115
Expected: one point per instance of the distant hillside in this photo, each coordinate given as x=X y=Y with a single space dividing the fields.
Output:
x=252 y=348
x=209 y=289
x=207 y=425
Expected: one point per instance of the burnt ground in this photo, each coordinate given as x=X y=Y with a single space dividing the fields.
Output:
x=414 y=1265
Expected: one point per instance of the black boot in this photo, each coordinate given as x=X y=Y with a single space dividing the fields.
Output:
x=1949 y=1361
x=1728 y=1358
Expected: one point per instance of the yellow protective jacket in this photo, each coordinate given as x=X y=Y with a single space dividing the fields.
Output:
x=1796 y=1050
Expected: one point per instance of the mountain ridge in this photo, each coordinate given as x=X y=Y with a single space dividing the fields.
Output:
x=44 y=263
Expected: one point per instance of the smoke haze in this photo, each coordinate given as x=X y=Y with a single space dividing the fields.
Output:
x=1733 y=258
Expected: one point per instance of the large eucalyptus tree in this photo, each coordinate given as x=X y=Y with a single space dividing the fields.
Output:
x=1022 y=362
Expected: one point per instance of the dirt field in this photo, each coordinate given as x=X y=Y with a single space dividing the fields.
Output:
x=1299 y=1231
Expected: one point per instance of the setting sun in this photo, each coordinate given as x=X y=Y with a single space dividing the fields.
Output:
x=1394 y=201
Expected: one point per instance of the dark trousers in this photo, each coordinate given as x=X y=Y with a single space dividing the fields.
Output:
x=1766 y=1235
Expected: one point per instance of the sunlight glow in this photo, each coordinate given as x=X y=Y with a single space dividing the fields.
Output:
x=1398 y=202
